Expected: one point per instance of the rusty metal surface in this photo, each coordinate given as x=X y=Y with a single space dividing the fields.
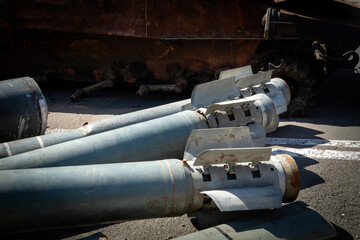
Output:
x=95 y=58
x=292 y=178
x=140 y=18
x=342 y=12
x=97 y=40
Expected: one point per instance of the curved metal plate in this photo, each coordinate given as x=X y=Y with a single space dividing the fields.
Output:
x=208 y=93
x=252 y=80
x=251 y=198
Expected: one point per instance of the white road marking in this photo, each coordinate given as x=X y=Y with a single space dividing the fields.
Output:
x=313 y=142
x=317 y=153
x=309 y=148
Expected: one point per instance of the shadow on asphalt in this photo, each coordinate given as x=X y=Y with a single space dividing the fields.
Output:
x=95 y=236
x=291 y=219
x=337 y=103
x=307 y=178
x=293 y=131
x=108 y=101
x=342 y=233
x=59 y=233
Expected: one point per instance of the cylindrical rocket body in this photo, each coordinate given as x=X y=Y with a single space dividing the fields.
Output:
x=29 y=144
x=23 y=110
x=47 y=198
x=155 y=139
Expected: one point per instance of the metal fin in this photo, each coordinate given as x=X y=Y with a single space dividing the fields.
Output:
x=237 y=72
x=241 y=199
x=255 y=79
x=233 y=155
x=208 y=93
x=202 y=139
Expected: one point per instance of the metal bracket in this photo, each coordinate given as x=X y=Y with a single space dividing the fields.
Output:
x=230 y=104
x=203 y=139
x=233 y=156
x=241 y=112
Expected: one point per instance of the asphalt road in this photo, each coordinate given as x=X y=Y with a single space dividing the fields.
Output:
x=325 y=146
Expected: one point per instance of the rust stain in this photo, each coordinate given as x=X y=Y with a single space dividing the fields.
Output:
x=232 y=136
x=173 y=188
x=197 y=140
x=292 y=178
x=97 y=74
x=70 y=71
x=227 y=157
x=223 y=138
x=165 y=198
x=153 y=204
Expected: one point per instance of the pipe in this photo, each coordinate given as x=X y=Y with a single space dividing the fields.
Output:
x=145 y=89
x=94 y=87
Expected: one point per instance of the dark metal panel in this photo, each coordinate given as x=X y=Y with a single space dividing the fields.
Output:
x=137 y=18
